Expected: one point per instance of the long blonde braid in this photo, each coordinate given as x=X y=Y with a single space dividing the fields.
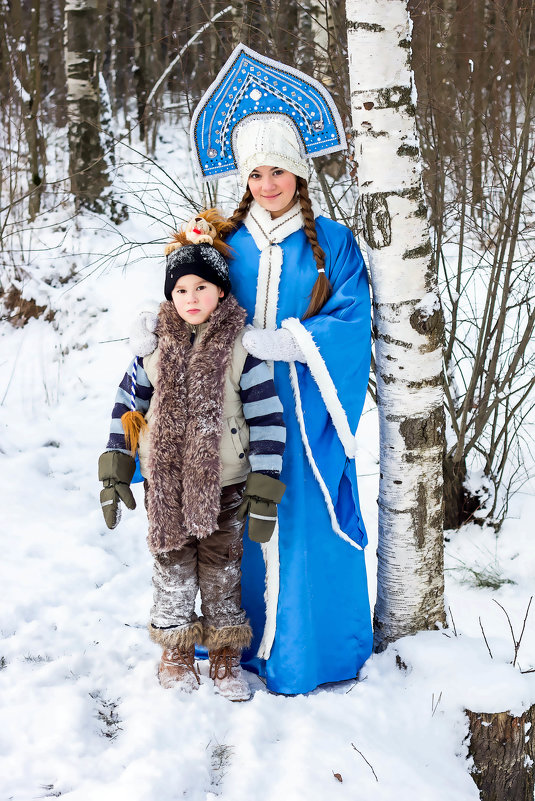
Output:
x=321 y=291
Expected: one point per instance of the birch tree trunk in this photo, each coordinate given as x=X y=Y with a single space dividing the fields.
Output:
x=408 y=321
x=88 y=165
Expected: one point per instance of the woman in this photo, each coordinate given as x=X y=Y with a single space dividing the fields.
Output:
x=304 y=285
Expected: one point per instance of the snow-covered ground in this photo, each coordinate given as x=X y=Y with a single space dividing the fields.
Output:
x=81 y=713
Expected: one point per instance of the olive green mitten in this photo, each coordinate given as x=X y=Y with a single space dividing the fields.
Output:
x=262 y=494
x=115 y=470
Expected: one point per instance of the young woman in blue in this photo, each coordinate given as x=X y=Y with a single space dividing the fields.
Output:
x=303 y=282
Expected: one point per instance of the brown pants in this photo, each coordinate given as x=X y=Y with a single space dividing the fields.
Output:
x=213 y=566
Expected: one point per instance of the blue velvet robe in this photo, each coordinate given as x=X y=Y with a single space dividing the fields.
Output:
x=323 y=628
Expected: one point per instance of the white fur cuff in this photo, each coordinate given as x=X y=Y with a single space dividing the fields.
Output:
x=278 y=345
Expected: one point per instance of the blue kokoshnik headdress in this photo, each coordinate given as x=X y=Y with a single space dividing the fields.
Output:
x=251 y=87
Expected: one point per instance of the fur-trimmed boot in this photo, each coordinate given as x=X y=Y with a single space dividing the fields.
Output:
x=177 y=669
x=227 y=674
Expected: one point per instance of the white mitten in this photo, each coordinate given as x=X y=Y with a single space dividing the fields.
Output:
x=143 y=340
x=278 y=345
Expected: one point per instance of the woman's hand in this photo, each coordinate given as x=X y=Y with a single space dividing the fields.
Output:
x=278 y=345
x=142 y=339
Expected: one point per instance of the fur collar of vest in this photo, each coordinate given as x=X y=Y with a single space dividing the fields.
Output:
x=186 y=425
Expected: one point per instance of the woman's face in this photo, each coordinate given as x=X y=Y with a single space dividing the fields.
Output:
x=273 y=188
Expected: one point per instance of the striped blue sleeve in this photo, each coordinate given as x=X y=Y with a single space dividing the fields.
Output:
x=263 y=411
x=123 y=403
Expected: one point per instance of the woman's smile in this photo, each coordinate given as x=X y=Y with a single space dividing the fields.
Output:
x=273 y=188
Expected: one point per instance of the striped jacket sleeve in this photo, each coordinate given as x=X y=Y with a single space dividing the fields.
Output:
x=123 y=402
x=262 y=410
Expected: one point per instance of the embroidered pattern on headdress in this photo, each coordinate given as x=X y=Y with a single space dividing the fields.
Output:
x=251 y=85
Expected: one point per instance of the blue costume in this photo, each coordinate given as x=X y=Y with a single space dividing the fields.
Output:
x=322 y=632
x=305 y=591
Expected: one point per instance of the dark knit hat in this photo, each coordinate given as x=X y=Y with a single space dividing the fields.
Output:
x=202 y=260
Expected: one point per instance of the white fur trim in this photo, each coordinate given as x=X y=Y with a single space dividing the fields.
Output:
x=315 y=470
x=267 y=288
x=270 y=552
x=326 y=386
x=267 y=231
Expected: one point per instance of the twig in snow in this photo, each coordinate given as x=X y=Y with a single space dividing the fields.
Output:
x=516 y=643
x=434 y=706
x=484 y=637
x=366 y=761
x=452 y=620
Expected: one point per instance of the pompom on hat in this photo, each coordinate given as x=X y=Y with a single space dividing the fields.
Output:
x=271 y=142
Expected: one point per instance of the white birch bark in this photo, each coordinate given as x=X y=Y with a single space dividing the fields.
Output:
x=408 y=321
x=88 y=167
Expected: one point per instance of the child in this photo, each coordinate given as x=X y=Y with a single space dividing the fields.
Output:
x=208 y=427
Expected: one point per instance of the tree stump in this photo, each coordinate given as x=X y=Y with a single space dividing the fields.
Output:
x=503 y=749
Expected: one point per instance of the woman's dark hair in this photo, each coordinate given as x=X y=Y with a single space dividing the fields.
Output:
x=321 y=291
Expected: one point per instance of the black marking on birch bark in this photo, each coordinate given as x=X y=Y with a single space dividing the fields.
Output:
x=419 y=515
x=396 y=97
x=421 y=211
x=412 y=193
x=368 y=131
x=435 y=381
x=377 y=223
x=404 y=43
x=408 y=150
x=419 y=252
x=390 y=340
x=391 y=510
x=395 y=306
x=423 y=432
x=423 y=383
x=431 y=326
x=364 y=26
x=426 y=323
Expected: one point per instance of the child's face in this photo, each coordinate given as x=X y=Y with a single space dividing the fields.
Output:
x=195 y=299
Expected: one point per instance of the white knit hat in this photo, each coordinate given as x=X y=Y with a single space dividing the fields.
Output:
x=271 y=142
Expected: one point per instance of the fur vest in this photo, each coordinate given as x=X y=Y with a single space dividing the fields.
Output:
x=187 y=418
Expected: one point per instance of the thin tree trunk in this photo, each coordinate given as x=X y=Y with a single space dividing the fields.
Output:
x=408 y=321
x=88 y=165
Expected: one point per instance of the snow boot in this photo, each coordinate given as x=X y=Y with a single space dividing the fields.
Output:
x=177 y=669
x=227 y=674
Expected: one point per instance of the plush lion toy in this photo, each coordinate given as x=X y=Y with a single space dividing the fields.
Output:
x=207 y=226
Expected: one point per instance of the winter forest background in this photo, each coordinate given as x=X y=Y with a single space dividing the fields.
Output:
x=96 y=99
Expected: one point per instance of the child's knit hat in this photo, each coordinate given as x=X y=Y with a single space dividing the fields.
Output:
x=202 y=260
